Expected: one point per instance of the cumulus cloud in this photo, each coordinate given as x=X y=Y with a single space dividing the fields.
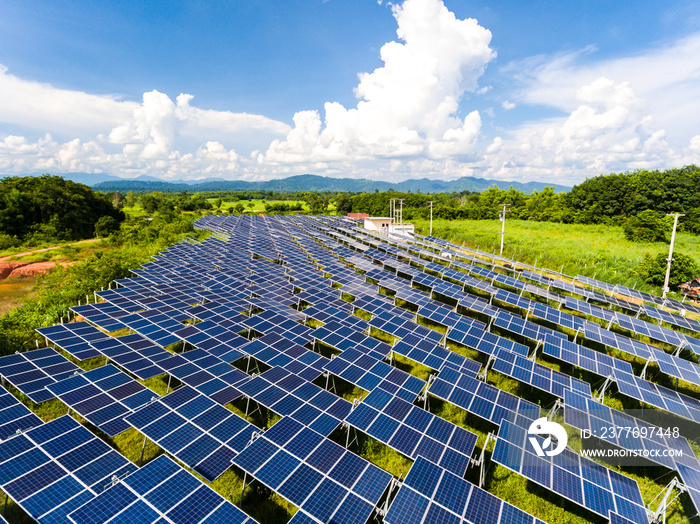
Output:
x=408 y=107
x=507 y=105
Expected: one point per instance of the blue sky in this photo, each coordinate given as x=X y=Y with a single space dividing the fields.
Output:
x=422 y=88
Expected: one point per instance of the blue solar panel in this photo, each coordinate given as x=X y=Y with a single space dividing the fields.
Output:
x=196 y=430
x=14 y=416
x=575 y=478
x=413 y=431
x=103 y=396
x=54 y=468
x=288 y=394
x=323 y=479
x=482 y=399
x=30 y=371
x=433 y=494
x=74 y=338
x=159 y=492
x=369 y=373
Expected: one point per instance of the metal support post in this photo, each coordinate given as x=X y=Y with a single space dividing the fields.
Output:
x=599 y=398
x=670 y=251
x=143 y=447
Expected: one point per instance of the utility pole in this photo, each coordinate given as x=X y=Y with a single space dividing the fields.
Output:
x=502 y=216
x=431 y=218
x=401 y=211
x=670 y=251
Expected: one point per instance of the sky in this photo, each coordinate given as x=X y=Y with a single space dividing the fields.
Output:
x=250 y=90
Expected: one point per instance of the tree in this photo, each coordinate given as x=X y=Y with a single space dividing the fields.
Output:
x=343 y=204
x=105 y=226
x=647 y=226
x=217 y=203
x=653 y=269
x=317 y=203
x=130 y=199
x=239 y=207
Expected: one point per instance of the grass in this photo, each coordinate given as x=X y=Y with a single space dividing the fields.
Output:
x=586 y=249
x=14 y=291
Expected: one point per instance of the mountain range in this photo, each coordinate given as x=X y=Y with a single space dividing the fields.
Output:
x=102 y=182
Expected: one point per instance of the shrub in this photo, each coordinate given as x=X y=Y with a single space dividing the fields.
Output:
x=653 y=269
x=647 y=226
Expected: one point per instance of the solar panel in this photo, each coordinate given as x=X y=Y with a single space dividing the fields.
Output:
x=658 y=396
x=74 y=338
x=587 y=414
x=413 y=431
x=369 y=373
x=585 y=358
x=655 y=332
x=476 y=338
x=432 y=355
x=159 y=492
x=575 y=478
x=523 y=327
x=207 y=373
x=30 y=371
x=320 y=477
x=103 y=396
x=537 y=375
x=15 y=417
x=54 y=468
x=671 y=318
x=103 y=314
x=345 y=338
x=288 y=394
x=433 y=494
x=200 y=433
x=480 y=398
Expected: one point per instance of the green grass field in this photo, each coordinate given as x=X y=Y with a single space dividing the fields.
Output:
x=586 y=249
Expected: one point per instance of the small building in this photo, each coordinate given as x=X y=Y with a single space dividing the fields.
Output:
x=691 y=289
x=378 y=224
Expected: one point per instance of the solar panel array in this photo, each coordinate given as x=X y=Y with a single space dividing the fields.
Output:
x=320 y=477
x=246 y=300
x=196 y=430
x=31 y=371
x=575 y=478
x=433 y=494
x=103 y=396
x=54 y=468
x=413 y=431
x=161 y=491
x=15 y=417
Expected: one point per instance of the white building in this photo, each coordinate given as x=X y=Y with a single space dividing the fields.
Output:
x=379 y=224
x=386 y=226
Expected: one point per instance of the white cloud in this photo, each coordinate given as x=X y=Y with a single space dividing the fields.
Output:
x=408 y=107
x=507 y=105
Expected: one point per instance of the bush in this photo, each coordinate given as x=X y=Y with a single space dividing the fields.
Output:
x=647 y=226
x=653 y=269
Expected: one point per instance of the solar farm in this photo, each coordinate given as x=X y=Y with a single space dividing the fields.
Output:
x=341 y=336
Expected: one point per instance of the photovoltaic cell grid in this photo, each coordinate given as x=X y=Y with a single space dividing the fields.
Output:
x=194 y=429
x=369 y=373
x=658 y=396
x=53 y=469
x=346 y=338
x=575 y=478
x=103 y=314
x=523 y=327
x=289 y=395
x=161 y=492
x=413 y=431
x=134 y=353
x=30 y=371
x=320 y=477
x=583 y=413
x=103 y=396
x=482 y=399
x=671 y=318
x=537 y=375
x=431 y=494
x=207 y=373
x=585 y=358
x=74 y=338
x=660 y=333
x=276 y=350
x=14 y=416
x=475 y=337
x=432 y=355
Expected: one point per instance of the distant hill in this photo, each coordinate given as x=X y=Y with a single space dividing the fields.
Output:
x=321 y=183
x=93 y=179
